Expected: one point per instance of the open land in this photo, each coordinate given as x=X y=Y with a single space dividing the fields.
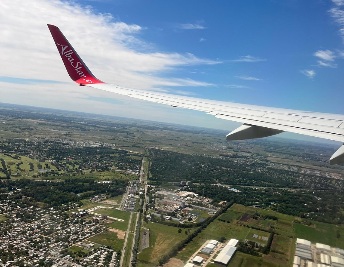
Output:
x=193 y=187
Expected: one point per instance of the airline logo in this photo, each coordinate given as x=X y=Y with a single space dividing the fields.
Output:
x=77 y=65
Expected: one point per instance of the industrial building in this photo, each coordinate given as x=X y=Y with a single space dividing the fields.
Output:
x=337 y=262
x=197 y=260
x=209 y=248
x=317 y=255
x=227 y=252
x=303 y=249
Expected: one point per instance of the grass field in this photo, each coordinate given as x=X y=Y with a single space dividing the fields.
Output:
x=25 y=167
x=231 y=225
x=109 y=239
x=328 y=234
x=244 y=260
x=124 y=215
x=162 y=239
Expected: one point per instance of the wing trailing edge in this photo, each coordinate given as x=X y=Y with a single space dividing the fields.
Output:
x=257 y=121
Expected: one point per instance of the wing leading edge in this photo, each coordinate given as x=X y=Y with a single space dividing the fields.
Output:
x=257 y=121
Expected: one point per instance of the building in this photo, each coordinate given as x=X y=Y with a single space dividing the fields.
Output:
x=197 y=260
x=303 y=249
x=324 y=258
x=337 y=262
x=303 y=243
x=189 y=265
x=322 y=247
x=209 y=248
x=227 y=252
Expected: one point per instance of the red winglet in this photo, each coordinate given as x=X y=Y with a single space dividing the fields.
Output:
x=76 y=68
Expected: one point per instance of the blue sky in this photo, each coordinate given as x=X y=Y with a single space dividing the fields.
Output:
x=269 y=52
x=285 y=54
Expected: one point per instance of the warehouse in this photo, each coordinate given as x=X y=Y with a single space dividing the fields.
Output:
x=337 y=262
x=322 y=247
x=198 y=259
x=227 y=252
x=303 y=243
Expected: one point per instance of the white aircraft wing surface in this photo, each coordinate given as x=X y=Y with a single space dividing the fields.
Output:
x=257 y=121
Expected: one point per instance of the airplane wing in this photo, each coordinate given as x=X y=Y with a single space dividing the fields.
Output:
x=257 y=121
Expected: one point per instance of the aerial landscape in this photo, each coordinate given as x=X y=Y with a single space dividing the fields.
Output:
x=90 y=190
x=199 y=134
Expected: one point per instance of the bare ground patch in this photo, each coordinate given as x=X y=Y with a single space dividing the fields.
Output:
x=120 y=233
x=173 y=262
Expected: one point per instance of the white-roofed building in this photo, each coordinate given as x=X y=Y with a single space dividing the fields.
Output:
x=208 y=249
x=213 y=242
x=227 y=252
x=339 y=251
x=189 y=265
x=322 y=247
x=297 y=260
x=337 y=262
x=324 y=258
x=311 y=264
x=198 y=259
x=225 y=255
x=303 y=242
x=232 y=242
x=211 y=246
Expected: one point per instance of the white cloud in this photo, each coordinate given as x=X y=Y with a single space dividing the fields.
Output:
x=309 y=73
x=326 y=64
x=326 y=58
x=237 y=86
x=248 y=78
x=191 y=26
x=107 y=46
x=337 y=13
x=112 y=49
x=325 y=55
x=248 y=58
x=338 y=2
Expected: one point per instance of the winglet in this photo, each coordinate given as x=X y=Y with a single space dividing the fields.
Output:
x=75 y=67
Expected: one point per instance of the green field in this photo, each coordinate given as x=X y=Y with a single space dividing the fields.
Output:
x=162 y=239
x=124 y=215
x=25 y=167
x=243 y=223
x=325 y=233
x=109 y=239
